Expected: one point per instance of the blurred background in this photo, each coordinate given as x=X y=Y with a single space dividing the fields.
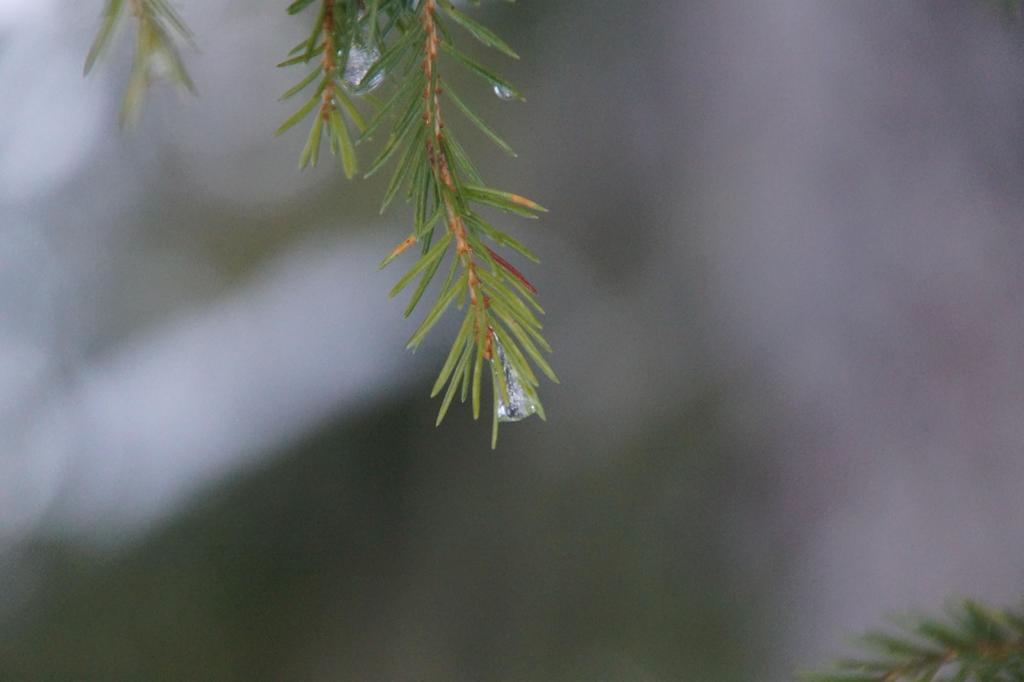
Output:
x=783 y=282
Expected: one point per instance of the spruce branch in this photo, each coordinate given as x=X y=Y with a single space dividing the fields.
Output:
x=500 y=334
x=159 y=29
x=498 y=324
x=971 y=643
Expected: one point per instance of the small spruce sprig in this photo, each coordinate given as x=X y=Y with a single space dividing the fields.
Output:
x=337 y=41
x=971 y=643
x=500 y=333
x=159 y=29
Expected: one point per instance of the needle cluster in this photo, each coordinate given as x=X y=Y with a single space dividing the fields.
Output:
x=337 y=37
x=500 y=334
x=971 y=643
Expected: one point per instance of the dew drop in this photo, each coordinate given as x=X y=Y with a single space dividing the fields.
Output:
x=519 y=406
x=361 y=57
x=503 y=92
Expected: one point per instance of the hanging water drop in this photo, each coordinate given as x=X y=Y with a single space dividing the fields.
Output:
x=519 y=406
x=362 y=55
x=504 y=92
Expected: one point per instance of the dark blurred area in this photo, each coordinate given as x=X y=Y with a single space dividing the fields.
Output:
x=781 y=270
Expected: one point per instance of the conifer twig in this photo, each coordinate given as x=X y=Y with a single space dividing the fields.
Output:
x=334 y=39
x=492 y=304
x=971 y=644
x=500 y=334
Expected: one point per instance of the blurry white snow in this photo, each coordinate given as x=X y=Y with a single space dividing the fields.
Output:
x=105 y=429
x=50 y=116
x=124 y=441
x=14 y=13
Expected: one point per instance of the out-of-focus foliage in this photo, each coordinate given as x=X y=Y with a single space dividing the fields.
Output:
x=1011 y=7
x=158 y=29
x=972 y=643
x=367 y=560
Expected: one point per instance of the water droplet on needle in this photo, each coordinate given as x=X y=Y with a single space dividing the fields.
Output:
x=519 y=406
x=362 y=55
x=503 y=92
